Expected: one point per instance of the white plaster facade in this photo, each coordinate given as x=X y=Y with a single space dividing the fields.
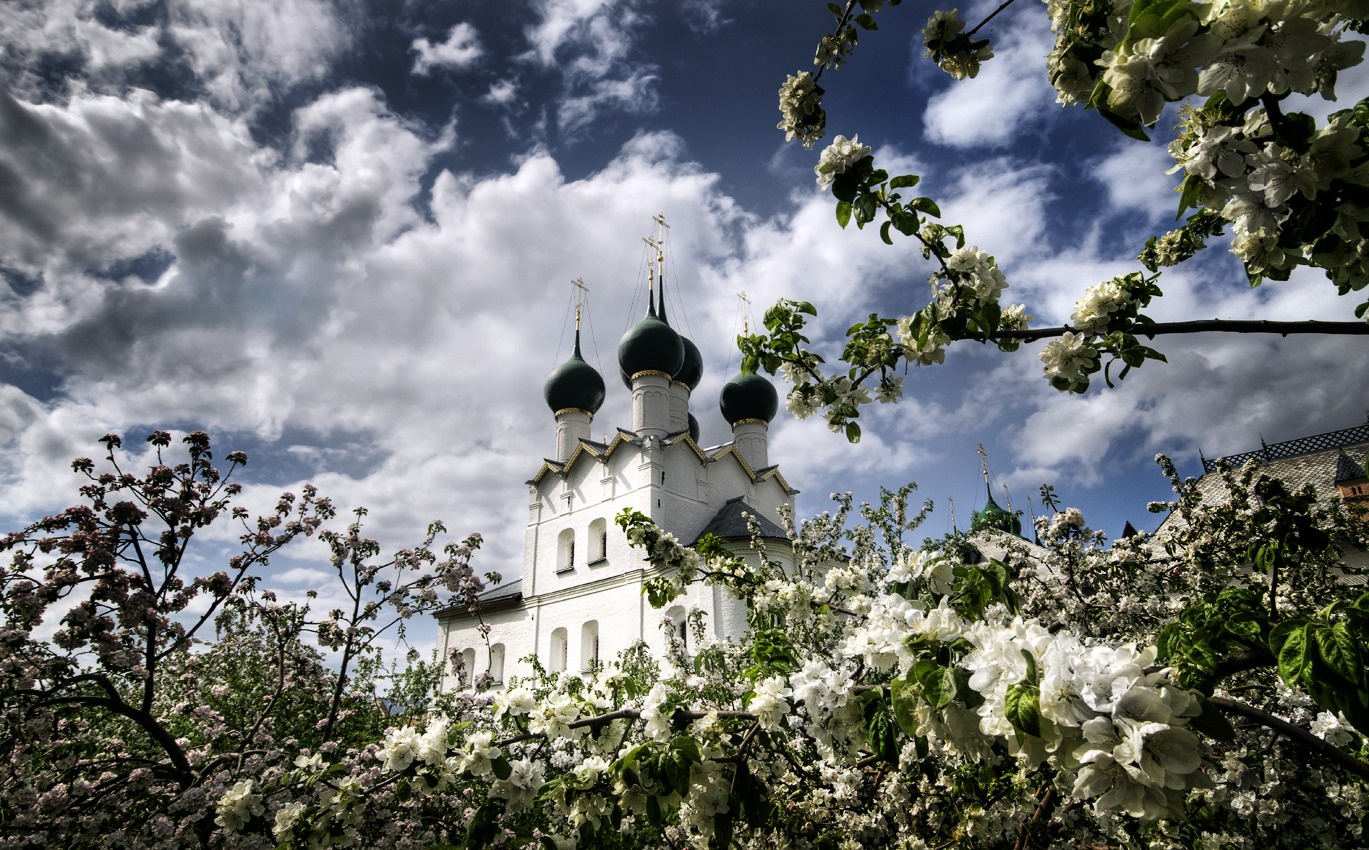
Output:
x=579 y=600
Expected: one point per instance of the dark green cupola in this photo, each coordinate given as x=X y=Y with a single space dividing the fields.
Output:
x=748 y=397
x=995 y=517
x=574 y=385
x=651 y=345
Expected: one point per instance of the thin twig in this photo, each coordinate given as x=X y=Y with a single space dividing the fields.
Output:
x=1328 y=751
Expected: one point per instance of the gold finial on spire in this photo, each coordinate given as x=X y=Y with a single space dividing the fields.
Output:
x=984 y=462
x=661 y=228
x=651 y=270
x=746 y=313
x=580 y=290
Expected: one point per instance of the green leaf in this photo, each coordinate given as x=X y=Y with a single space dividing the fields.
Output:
x=864 y=208
x=722 y=830
x=1289 y=640
x=926 y=206
x=884 y=232
x=866 y=22
x=502 y=768
x=844 y=213
x=852 y=432
x=1340 y=652
x=938 y=686
x=677 y=773
x=882 y=738
x=904 y=181
x=1023 y=708
x=484 y=824
x=903 y=702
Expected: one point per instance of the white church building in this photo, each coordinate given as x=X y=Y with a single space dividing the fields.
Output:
x=579 y=600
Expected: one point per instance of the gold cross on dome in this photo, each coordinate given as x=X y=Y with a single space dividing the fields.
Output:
x=580 y=290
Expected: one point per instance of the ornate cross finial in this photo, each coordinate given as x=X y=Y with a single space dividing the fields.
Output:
x=651 y=242
x=984 y=462
x=580 y=290
x=746 y=312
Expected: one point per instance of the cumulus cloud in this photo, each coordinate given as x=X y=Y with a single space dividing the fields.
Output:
x=1009 y=95
x=245 y=53
x=590 y=44
x=460 y=50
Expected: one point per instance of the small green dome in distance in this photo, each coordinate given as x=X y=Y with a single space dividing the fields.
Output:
x=995 y=517
x=693 y=428
x=574 y=385
x=692 y=371
x=650 y=346
x=748 y=397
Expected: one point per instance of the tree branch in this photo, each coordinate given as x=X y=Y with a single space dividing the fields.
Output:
x=1311 y=742
x=1242 y=661
x=1238 y=326
x=184 y=774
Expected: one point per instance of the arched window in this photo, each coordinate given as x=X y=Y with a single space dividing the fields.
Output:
x=556 y=662
x=468 y=668
x=598 y=540
x=589 y=647
x=565 y=551
x=497 y=663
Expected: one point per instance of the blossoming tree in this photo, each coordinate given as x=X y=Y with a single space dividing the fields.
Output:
x=136 y=691
x=1291 y=191
x=885 y=695
x=896 y=697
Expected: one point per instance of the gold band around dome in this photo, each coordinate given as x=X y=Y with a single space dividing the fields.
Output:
x=649 y=373
x=557 y=414
x=750 y=422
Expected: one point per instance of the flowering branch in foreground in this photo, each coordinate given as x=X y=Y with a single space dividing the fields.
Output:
x=1290 y=189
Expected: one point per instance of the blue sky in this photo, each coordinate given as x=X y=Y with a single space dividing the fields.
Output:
x=340 y=236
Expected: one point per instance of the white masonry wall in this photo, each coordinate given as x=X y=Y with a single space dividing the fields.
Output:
x=581 y=578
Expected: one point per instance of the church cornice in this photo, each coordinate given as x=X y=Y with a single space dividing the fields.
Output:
x=602 y=453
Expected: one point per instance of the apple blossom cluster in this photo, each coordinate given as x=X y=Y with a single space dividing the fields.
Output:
x=1069 y=360
x=1263 y=186
x=837 y=157
x=970 y=280
x=951 y=49
x=802 y=115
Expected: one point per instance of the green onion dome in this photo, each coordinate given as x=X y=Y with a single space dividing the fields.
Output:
x=995 y=517
x=574 y=385
x=692 y=370
x=693 y=428
x=748 y=397
x=651 y=345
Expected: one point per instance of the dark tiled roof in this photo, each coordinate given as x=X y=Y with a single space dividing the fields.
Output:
x=1347 y=469
x=503 y=590
x=1321 y=469
x=1315 y=444
x=730 y=524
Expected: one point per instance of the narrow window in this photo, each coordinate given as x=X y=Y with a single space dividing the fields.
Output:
x=556 y=663
x=598 y=540
x=589 y=647
x=565 y=551
x=468 y=668
x=497 y=663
